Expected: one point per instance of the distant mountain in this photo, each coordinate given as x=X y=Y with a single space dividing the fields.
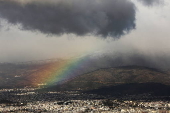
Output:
x=16 y=75
x=115 y=76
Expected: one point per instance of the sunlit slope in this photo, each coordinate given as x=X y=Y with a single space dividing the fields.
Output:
x=115 y=76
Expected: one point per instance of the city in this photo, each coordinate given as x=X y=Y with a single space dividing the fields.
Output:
x=28 y=100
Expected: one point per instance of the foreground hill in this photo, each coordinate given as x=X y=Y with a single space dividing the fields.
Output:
x=135 y=91
x=115 y=76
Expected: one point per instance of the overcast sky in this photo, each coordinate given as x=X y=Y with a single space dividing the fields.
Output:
x=41 y=29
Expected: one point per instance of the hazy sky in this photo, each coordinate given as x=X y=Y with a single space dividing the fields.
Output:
x=41 y=29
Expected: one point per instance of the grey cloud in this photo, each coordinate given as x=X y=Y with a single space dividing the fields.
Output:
x=81 y=17
x=151 y=2
x=160 y=61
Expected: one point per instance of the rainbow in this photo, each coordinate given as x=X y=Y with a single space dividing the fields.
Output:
x=58 y=72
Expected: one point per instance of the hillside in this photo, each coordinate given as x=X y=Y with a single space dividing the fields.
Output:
x=115 y=76
x=12 y=75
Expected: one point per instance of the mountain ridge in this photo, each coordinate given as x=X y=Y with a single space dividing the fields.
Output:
x=21 y=76
x=115 y=76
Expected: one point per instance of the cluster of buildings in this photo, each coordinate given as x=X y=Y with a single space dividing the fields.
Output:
x=93 y=106
x=29 y=101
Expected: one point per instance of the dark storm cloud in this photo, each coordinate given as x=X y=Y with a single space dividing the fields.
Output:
x=81 y=17
x=151 y=2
